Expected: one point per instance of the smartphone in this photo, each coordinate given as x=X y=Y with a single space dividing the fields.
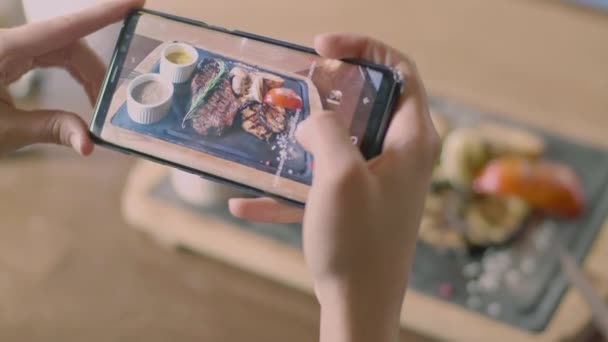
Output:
x=224 y=104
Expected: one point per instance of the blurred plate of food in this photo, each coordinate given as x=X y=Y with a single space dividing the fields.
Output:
x=504 y=198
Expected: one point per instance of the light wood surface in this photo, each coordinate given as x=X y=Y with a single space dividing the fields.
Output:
x=71 y=269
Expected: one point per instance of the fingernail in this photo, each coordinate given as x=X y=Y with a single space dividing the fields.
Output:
x=76 y=143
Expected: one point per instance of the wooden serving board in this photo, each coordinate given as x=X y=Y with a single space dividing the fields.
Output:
x=175 y=225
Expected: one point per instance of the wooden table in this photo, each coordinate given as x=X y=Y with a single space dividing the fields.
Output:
x=72 y=270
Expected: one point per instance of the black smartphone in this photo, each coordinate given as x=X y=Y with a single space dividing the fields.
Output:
x=224 y=104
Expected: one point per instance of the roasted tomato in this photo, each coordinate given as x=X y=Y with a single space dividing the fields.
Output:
x=545 y=185
x=283 y=97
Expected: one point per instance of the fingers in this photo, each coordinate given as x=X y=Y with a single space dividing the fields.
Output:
x=326 y=137
x=5 y=96
x=57 y=127
x=350 y=45
x=411 y=123
x=87 y=68
x=264 y=210
x=83 y=64
x=39 y=38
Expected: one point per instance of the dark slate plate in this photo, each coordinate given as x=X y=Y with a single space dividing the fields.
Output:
x=601 y=5
x=527 y=304
x=234 y=144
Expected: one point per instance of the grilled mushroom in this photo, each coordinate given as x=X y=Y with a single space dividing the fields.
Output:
x=464 y=153
x=493 y=220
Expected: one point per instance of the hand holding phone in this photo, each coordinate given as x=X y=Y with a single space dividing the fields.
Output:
x=53 y=43
x=409 y=124
x=361 y=218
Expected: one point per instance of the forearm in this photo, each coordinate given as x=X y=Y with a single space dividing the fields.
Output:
x=350 y=315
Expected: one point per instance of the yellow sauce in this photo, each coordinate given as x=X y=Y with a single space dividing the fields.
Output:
x=179 y=57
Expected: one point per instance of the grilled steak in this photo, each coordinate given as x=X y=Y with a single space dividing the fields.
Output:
x=263 y=119
x=221 y=107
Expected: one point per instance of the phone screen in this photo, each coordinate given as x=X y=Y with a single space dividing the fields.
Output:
x=226 y=104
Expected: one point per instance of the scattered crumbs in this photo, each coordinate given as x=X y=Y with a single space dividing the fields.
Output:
x=503 y=260
x=528 y=265
x=472 y=287
x=513 y=278
x=491 y=251
x=471 y=270
x=494 y=266
x=542 y=239
x=446 y=290
x=489 y=264
x=494 y=309
x=474 y=302
x=488 y=282
x=284 y=141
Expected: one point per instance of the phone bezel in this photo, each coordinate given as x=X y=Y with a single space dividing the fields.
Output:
x=371 y=144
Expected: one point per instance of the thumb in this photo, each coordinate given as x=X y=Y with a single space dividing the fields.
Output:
x=326 y=137
x=52 y=126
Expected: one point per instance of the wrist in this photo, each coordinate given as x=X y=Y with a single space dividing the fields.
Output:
x=351 y=312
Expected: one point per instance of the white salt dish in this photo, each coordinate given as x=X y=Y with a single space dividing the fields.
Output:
x=177 y=73
x=149 y=113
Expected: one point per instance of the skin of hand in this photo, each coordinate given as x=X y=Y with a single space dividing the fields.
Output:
x=361 y=218
x=54 y=43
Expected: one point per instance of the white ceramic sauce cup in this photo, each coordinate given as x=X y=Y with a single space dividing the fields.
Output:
x=153 y=112
x=177 y=73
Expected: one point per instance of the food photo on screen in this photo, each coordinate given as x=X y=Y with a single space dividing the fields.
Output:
x=226 y=104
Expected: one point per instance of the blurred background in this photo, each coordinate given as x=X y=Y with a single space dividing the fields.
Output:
x=80 y=260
